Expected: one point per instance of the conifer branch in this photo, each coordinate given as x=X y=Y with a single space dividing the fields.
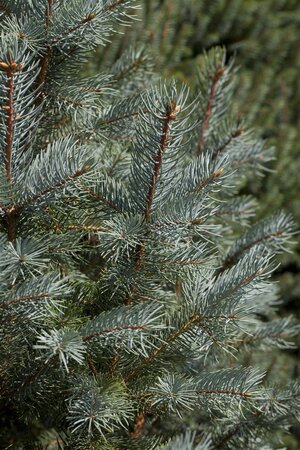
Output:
x=25 y=298
x=88 y=228
x=253 y=418
x=68 y=100
x=233 y=135
x=125 y=116
x=234 y=258
x=160 y=348
x=10 y=123
x=183 y=262
x=247 y=280
x=83 y=22
x=88 y=18
x=170 y=116
x=240 y=162
x=60 y=184
x=114 y=5
x=45 y=60
x=113 y=330
x=223 y=391
x=114 y=364
x=11 y=216
x=92 y=367
x=216 y=174
x=226 y=212
x=208 y=110
x=101 y=198
x=164 y=140
x=251 y=339
x=41 y=369
x=134 y=64
x=226 y=438
x=10 y=68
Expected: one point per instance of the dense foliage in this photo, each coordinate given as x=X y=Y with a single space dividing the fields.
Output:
x=132 y=287
x=263 y=37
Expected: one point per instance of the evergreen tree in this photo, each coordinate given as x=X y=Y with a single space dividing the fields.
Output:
x=131 y=283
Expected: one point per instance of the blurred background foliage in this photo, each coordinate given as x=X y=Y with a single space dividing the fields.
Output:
x=263 y=36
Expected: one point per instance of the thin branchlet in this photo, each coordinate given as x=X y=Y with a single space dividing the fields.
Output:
x=158 y=159
x=162 y=347
x=45 y=60
x=113 y=330
x=209 y=108
x=10 y=68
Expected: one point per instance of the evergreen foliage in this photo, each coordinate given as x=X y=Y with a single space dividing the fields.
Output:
x=263 y=36
x=131 y=282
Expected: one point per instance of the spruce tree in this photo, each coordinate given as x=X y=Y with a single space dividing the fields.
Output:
x=131 y=282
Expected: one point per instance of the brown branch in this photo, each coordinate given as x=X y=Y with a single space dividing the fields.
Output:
x=25 y=298
x=208 y=111
x=216 y=174
x=102 y=199
x=138 y=426
x=154 y=354
x=114 y=5
x=92 y=367
x=114 y=363
x=89 y=228
x=171 y=113
x=86 y=20
x=184 y=263
x=57 y=185
x=133 y=65
x=222 y=391
x=118 y=158
x=226 y=438
x=9 y=124
x=255 y=416
x=239 y=162
x=250 y=339
x=10 y=68
x=247 y=280
x=140 y=252
x=72 y=102
x=112 y=330
x=221 y=316
x=234 y=134
x=164 y=140
x=224 y=212
x=244 y=281
x=210 y=334
x=11 y=217
x=90 y=90
x=193 y=320
x=49 y=13
x=125 y=116
x=44 y=63
x=232 y=260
